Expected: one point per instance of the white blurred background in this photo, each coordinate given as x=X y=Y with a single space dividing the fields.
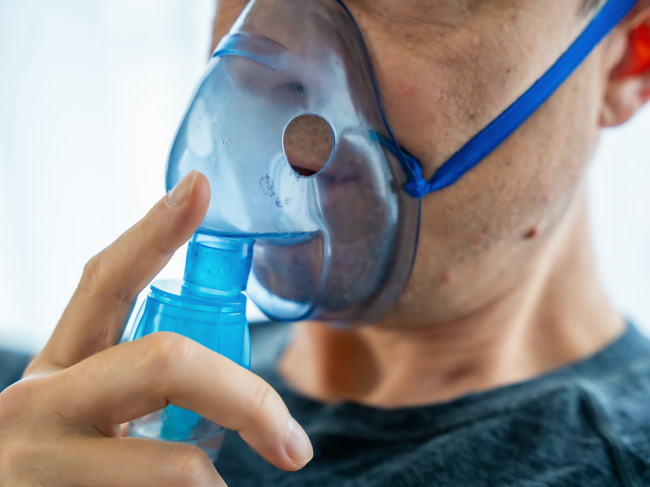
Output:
x=91 y=94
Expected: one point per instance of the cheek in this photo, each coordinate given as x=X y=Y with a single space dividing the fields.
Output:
x=442 y=84
x=480 y=237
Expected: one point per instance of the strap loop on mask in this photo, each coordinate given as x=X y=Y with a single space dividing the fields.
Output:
x=491 y=137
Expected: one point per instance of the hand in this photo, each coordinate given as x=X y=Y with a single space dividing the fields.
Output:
x=60 y=425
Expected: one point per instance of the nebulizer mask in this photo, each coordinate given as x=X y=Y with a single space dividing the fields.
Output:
x=287 y=127
x=315 y=207
x=308 y=210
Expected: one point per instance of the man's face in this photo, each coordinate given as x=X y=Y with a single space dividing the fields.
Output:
x=445 y=69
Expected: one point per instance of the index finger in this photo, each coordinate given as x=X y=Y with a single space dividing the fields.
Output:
x=95 y=317
x=137 y=378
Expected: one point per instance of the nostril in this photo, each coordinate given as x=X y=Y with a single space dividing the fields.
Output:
x=308 y=142
x=293 y=87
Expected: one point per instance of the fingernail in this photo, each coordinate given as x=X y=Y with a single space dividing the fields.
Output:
x=297 y=444
x=182 y=190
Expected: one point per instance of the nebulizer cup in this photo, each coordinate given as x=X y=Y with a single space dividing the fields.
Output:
x=333 y=241
x=207 y=306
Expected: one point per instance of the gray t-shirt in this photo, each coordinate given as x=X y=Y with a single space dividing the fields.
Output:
x=584 y=425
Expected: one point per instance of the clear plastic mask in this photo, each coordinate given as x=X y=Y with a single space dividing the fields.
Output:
x=287 y=125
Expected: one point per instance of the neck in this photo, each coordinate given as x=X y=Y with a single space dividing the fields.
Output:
x=558 y=314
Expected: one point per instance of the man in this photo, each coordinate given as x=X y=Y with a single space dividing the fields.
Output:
x=502 y=363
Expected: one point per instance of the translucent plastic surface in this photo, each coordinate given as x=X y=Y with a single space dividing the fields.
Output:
x=334 y=242
x=208 y=307
x=204 y=433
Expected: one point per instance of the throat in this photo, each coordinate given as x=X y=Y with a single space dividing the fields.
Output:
x=399 y=368
x=557 y=316
x=330 y=365
x=390 y=369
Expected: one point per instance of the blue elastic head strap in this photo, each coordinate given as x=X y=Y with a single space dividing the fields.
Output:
x=491 y=137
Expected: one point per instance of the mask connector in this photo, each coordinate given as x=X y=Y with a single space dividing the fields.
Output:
x=217 y=265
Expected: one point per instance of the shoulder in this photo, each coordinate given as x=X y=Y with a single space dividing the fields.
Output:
x=619 y=389
x=619 y=407
x=588 y=424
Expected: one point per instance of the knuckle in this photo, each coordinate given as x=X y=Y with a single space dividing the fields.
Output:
x=91 y=273
x=165 y=349
x=191 y=466
x=93 y=279
x=98 y=280
x=15 y=400
x=262 y=399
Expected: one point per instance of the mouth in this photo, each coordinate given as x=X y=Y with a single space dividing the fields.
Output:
x=327 y=177
x=327 y=174
x=303 y=171
x=304 y=166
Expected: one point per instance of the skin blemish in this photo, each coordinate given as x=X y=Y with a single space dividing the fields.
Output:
x=481 y=239
x=445 y=278
x=531 y=234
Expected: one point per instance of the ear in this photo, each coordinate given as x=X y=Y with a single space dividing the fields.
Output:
x=628 y=86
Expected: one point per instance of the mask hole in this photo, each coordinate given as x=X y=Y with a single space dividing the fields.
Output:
x=308 y=142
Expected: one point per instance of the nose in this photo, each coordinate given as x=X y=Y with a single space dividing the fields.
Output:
x=262 y=67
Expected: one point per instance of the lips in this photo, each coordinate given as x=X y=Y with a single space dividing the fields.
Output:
x=303 y=171
x=302 y=165
x=328 y=176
